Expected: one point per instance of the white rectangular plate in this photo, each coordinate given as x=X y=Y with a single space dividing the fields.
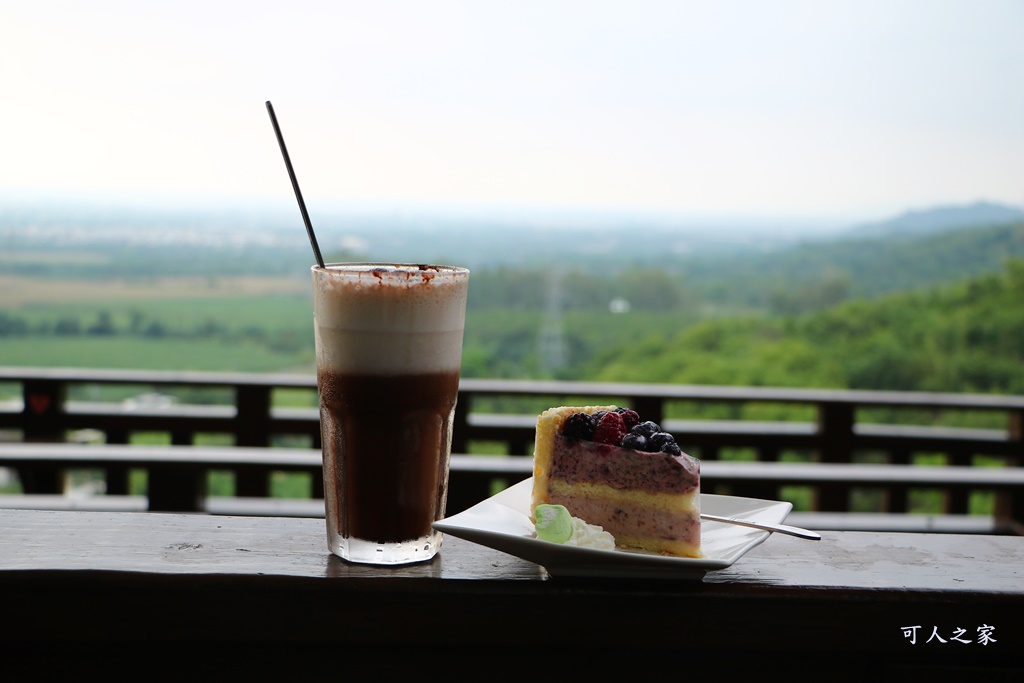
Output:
x=502 y=522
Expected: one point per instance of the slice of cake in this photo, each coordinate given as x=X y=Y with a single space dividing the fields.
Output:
x=611 y=469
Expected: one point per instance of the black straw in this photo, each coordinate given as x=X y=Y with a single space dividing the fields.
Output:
x=295 y=185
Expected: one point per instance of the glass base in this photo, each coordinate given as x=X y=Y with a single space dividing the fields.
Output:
x=370 y=552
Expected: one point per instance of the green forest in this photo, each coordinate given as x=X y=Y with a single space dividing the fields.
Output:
x=966 y=336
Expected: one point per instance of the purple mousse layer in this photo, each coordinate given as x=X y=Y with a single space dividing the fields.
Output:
x=622 y=468
x=634 y=521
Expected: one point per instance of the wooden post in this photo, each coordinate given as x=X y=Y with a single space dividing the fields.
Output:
x=252 y=428
x=1015 y=433
x=42 y=411
x=896 y=496
x=835 y=430
x=172 y=489
x=649 y=407
x=1011 y=506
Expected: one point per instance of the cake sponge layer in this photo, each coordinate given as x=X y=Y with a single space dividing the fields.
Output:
x=660 y=523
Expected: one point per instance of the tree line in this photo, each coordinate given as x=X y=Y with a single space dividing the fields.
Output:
x=962 y=337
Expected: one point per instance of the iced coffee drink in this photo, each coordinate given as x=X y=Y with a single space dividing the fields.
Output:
x=388 y=350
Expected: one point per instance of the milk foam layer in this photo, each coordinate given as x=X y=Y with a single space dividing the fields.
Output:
x=397 y=319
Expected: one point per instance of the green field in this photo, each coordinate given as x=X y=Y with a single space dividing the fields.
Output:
x=232 y=313
x=189 y=325
x=150 y=354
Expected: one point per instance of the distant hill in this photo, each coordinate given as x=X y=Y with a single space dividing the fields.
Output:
x=940 y=219
x=726 y=266
x=913 y=251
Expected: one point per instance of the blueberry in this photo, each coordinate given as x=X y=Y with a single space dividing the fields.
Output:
x=672 y=448
x=657 y=441
x=646 y=429
x=634 y=441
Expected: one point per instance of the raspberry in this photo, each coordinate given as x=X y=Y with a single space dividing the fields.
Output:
x=609 y=429
x=629 y=417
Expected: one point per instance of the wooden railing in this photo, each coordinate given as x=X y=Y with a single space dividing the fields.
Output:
x=58 y=405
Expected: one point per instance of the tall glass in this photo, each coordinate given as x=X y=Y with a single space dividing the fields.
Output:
x=388 y=352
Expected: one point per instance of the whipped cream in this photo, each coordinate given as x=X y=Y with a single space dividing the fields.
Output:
x=389 y=319
x=555 y=524
x=590 y=536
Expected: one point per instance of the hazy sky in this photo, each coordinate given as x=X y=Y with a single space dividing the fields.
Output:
x=794 y=108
